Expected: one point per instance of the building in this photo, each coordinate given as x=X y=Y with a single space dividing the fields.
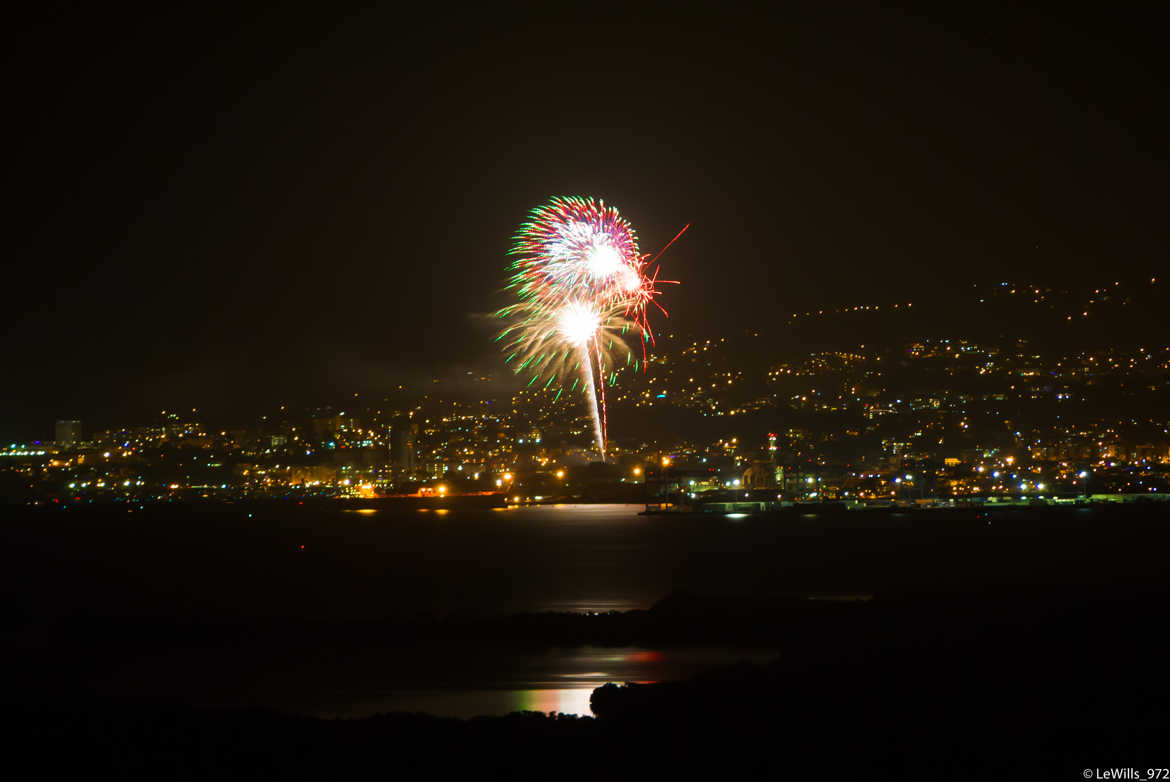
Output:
x=761 y=474
x=68 y=433
x=404 y=436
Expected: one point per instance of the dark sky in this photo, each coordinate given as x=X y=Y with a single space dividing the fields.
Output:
x=225 y=209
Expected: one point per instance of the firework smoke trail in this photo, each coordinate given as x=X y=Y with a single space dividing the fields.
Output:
x=591 y=395
x=604 y=415
x=581 y=285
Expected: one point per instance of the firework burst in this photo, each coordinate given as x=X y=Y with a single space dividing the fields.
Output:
x=583 y=289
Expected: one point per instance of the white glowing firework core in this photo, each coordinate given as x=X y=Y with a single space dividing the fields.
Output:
x=603 y=260
x=571 y=238
x=578 y=322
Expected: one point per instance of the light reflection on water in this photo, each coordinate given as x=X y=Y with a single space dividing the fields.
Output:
x=442 y=680
x=560 y=680
x=564 y=701
x=473 y=703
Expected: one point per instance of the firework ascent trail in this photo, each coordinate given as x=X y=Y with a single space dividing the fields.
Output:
x=582 y=289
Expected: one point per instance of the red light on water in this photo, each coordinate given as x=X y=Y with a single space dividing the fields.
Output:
x=649 y=656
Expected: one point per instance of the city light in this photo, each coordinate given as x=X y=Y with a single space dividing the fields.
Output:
x=344 y=456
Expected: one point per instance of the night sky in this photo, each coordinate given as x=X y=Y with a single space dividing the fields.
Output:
x=228 y=210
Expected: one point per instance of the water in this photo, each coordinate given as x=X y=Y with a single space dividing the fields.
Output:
x=247 y=562
x=250 y=565
x=443 y=680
